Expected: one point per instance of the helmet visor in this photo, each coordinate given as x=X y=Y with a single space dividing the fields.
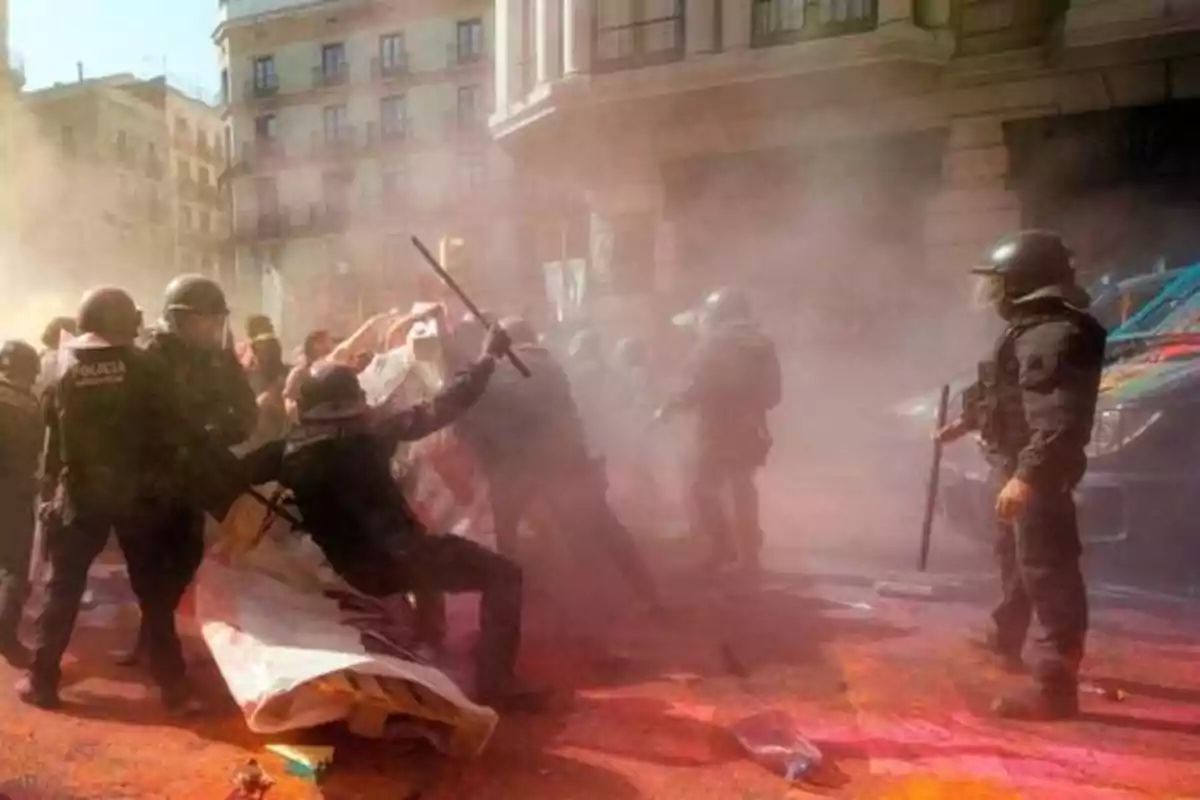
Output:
x=988 y=292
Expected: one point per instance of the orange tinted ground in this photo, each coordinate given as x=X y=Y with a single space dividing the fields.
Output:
x=885 y=687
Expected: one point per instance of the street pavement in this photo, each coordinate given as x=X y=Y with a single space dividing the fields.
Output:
x=884 y=685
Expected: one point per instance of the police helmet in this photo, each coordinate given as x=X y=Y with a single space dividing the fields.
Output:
x=110 y=313
x=331 y=391
x=725 y=306
x=520 y=331
x=195 y=294
x=1026 y=262
x=19 y=361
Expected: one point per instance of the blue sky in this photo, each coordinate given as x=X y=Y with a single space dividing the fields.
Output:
x=115 y=36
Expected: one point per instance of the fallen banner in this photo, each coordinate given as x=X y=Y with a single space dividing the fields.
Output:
x=299 y=648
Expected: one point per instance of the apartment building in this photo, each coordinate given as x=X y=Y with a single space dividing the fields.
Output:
x=100 y=197
x=787 y=144
x=353 y=124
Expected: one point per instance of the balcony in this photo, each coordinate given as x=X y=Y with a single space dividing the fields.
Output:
x=335 y=142
x=261 y=89
x=325 y=76
x=395 y=132
x=460 y=126
x=640 y=43
x=249 y=157
x=390 y=69
x=321 y=219
x=459 y=56
x=264 y=225
x=779 y=22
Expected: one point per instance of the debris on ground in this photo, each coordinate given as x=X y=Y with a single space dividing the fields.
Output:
x=1108 y=693
x=908 y=591
x=774 y=741
x=250 y=782
x=308 y=762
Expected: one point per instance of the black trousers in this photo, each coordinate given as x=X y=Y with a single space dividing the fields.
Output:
x=724 y=506
x=431 y=564
x=163 y=551
x=72 y=548
x=1040 y=574
x=576 y=503
x=17 y=523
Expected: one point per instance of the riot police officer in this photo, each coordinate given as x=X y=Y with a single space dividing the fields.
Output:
x=1034 y=405
x=733 y=382
x=337 y=462
x=116 y=438
x=192 y=341
x=21 y=436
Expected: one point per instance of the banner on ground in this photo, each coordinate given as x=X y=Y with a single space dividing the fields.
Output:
x=299 y=648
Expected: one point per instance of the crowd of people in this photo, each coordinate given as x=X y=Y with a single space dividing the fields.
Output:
x=139 y=433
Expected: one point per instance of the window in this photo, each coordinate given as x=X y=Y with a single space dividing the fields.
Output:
x=185 y=218
x=224 y=87
x=470 y=40
x=392 y=56
x=335 y=123
x=181 y=128
x=153 y=165
x=335 y=187
x=333 y=61
x=122 y=146
x=470 y=105
x=393 y=116
x=202 y=222
x=205 y=177
x=393 y=179
x=472 y=171
x=265 y=79
x=266 y=194
x=266 y=128
x=68 y=140
x=202 y=141
x=183 y=169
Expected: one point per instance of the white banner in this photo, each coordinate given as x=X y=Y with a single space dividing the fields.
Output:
x=299 y=648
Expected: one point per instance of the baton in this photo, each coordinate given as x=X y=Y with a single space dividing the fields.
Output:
x=275 y=508
x=935 y=472
x=453 y=286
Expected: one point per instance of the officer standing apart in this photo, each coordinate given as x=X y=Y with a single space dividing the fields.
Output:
x=1034 y=406
x=216 y=398
x=116 y=437
x=734 y=380
x=21 y=435
x=337 y=462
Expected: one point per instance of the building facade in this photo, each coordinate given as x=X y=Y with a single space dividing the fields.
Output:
x=789 y=144
x=100 y=200
x=12 y=79
x=352 y=125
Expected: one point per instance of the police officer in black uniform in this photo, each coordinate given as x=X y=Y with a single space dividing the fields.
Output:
x=733 y=381
x=1034 y=405
x=193 y=342
x=116 y=438
x=532 y=446
x=21 y=435
x=337 y=462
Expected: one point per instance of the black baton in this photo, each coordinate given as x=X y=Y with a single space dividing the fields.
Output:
x=935 y=474
x=453 y=286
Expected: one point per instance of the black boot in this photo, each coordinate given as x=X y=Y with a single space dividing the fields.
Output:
x=1038 y=705
x=513 y=697
x=180 y=700
x=37 y=692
